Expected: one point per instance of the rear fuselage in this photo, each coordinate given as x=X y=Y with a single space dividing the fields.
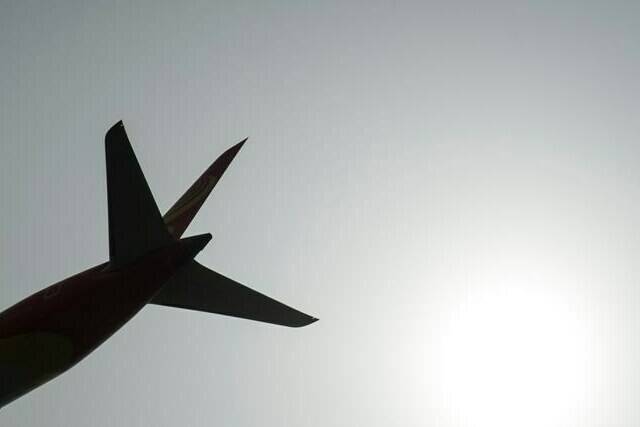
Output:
x=52 y=330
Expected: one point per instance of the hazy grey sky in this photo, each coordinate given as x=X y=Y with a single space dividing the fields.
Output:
x=452 y=187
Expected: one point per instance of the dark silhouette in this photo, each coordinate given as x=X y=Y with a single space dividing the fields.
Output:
x=52 y=330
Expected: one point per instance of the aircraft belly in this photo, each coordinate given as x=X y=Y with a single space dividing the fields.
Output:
x=29 y=360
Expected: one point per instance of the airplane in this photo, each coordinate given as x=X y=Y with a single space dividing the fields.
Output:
x=149 y=262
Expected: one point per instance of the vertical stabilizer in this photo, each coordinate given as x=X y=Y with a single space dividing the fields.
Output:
x=185 y=209
x=135 y=224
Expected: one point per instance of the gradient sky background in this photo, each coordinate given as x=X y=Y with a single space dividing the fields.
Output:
x=452 y=187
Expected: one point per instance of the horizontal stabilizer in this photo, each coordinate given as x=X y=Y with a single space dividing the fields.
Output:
x=135 y=224
x=195 y=287
x=185 y=209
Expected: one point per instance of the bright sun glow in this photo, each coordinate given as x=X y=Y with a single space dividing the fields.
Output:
x=514 y=359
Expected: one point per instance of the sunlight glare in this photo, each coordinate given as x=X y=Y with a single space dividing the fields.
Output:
x=514 y=358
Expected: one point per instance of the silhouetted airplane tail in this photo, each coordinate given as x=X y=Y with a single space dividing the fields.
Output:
x=198 y=288
x=136 y=227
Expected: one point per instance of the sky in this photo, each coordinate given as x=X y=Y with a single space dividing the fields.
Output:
x=451 y=187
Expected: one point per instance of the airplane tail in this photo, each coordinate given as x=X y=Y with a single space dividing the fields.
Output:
x=135 y=224
x=196 y=287
x=136 y=227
